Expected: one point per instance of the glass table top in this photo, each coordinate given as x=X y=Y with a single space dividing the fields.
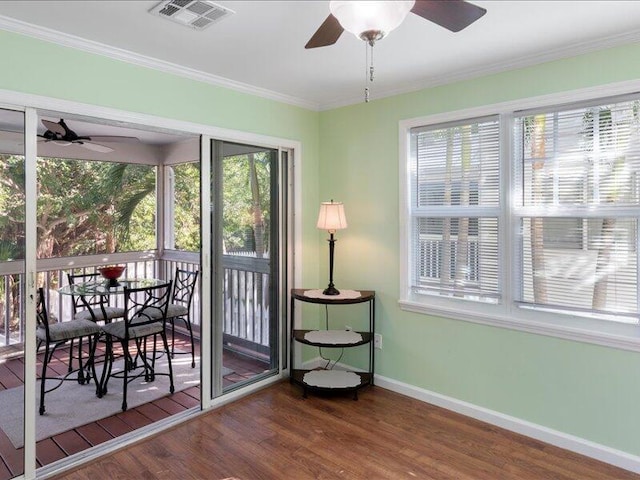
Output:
x=103 y=287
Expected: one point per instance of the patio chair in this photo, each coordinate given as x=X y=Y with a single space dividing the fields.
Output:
x=53 y=335
x=95 y=308
x=145 y=316
x=180 y=307
x=91 y=307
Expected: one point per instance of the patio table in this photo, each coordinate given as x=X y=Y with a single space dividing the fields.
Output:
x=104 y=288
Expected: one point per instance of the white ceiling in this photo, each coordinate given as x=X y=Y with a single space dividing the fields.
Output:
x=261 y=47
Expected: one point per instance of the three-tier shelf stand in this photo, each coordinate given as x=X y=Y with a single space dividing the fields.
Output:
x=332 y=380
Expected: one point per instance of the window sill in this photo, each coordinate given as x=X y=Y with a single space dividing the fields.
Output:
x=620 y=336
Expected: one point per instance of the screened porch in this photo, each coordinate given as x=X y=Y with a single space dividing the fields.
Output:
x=145 y=186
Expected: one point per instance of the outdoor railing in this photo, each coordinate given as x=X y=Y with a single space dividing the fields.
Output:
x=246 y=292
x=11 y=302
x=246 y=303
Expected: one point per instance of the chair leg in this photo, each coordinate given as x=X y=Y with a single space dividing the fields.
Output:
x=81 y=367
x=125 y=349
x=141 y=345
x=91 y=364
x=173 y=336
x=71 y=356
x=43 y=376
x=193 y=353
x=101 y=389
x=163 y=334
x=132 y=363
x=153 y=356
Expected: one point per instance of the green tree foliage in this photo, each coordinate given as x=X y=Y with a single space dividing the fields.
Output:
x=186 y=207
x=90 y=207
x=238 y=212
x=87 y=207
x=12 y=236
x=83 y=207
x=133 y=203
x=12 y=207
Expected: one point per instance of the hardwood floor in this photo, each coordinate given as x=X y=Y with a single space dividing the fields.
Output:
x=277 y=434
x=79 y=439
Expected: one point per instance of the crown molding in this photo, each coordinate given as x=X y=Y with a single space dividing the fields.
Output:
x=497 y=67
x=90 y=46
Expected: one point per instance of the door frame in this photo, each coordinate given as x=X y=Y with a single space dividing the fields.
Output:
x=31 y=104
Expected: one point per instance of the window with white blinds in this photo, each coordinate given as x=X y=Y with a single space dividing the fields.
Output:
x=455 y=204
x=527 y=218
x=578 y=173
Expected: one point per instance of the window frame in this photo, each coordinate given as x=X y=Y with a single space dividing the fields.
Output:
x=507 y=313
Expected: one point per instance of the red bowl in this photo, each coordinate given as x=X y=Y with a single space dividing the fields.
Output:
x=112 y=273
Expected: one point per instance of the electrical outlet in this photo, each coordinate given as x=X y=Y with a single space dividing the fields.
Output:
x=348 y=328
x=377 y=341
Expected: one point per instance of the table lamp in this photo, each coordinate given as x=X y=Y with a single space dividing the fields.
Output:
x=331 y=218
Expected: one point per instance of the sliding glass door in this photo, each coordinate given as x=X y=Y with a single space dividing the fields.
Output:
x=242 y=265
x=246 y=249
x=12 y=292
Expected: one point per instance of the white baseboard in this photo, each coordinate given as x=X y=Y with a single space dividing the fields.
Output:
x=553 y=437
x=559 y=439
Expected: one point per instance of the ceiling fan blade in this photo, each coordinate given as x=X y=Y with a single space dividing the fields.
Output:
x=54 y=127
x=96 y=147
x=62 y=143
x=328 y=33
x=453 y=15
x=113 y=138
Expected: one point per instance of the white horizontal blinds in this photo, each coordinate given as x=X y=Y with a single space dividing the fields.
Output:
x=455 y=209
x=589 y=265
x=450 y=262
x=579 y=171
x=455 y=159
x=585 y=156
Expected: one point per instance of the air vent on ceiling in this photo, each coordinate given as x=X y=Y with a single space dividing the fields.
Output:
x=197 y=14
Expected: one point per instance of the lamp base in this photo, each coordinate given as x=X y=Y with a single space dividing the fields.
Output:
x=331 y=290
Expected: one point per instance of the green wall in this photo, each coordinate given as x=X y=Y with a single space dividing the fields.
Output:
x=36 y=67
x=351 y=155
x=577 y=388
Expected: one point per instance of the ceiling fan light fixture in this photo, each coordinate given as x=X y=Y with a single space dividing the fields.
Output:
x=370 y=20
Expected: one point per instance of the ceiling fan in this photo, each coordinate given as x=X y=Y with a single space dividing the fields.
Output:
x=60 y=134
x=372 y=20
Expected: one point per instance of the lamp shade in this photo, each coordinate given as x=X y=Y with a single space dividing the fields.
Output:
x=362 y=16
x=331 y=216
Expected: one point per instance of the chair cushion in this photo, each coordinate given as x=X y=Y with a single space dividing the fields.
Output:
x=112 y=312
x=117 y=329
x=176 y=310
x=68 y=330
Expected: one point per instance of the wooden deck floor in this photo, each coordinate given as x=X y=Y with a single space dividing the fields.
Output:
x=73 y=441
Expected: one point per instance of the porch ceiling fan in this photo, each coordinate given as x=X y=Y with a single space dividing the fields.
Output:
x=60 y=134
x=372 y=20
